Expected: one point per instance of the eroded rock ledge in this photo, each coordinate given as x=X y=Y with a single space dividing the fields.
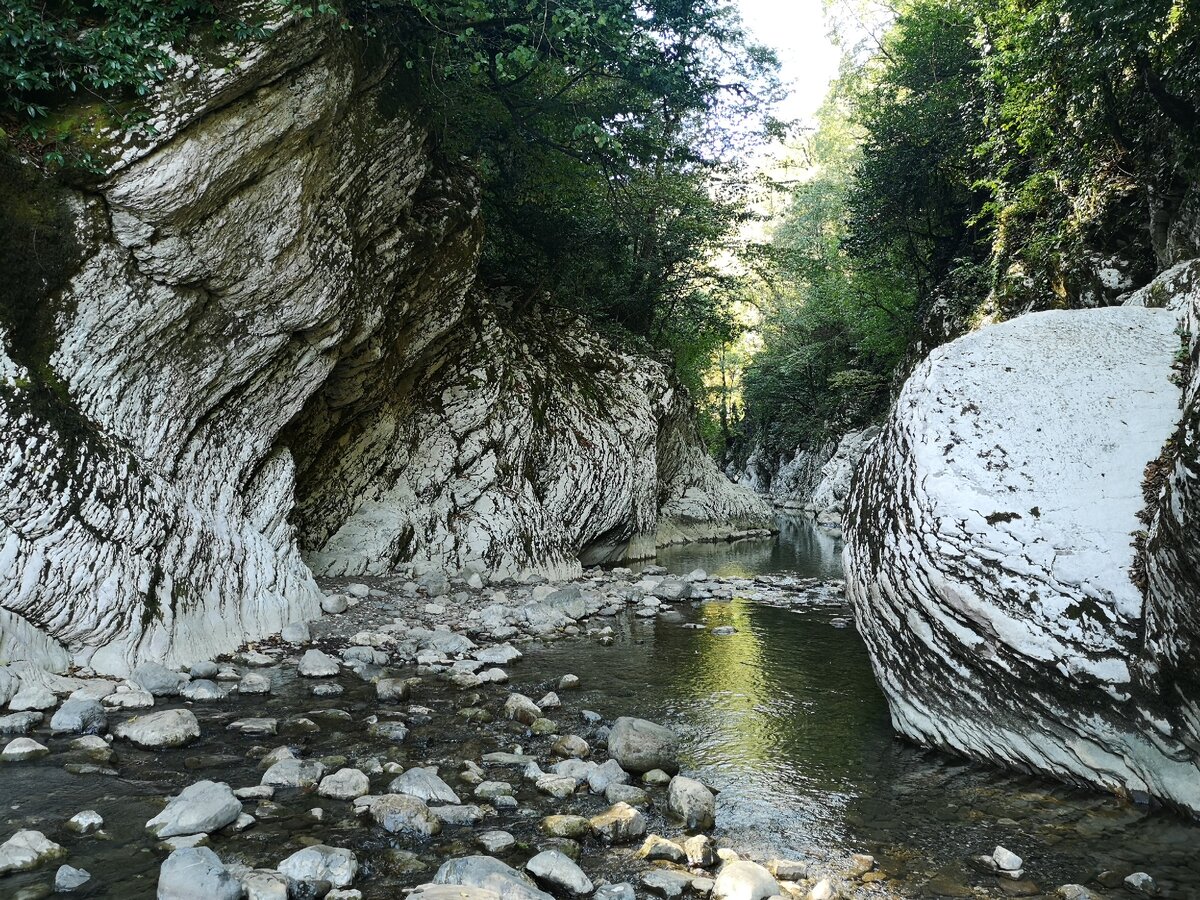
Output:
x=267 y=351
x=990 y=551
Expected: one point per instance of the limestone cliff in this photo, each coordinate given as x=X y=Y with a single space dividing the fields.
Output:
x=991 y=549
x=266 y=351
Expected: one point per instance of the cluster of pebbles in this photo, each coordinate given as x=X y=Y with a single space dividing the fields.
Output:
x=448 y=785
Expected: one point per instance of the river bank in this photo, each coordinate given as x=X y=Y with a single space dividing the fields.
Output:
x=763 y=679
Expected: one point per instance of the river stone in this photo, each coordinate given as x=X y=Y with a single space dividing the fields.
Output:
x=257 y=726
x=158 y=679
x=787 y=870
x=619 y=824
x=700 y=853
x=491 y=875
x=168 y=728
x=85 y=822
x=196 y=873
x=424 y=784
x=692 y=802
x=294 y=773
x=466 y=814
x=626 y=793
x=564 y=826
x=496 y=841
x=315 y=664
x=79 y=717
x=22 y=749
x=640 y=746
x=558 y=786
x=265 y=884
x=334 y=604
x=665 y=883
x=568 y=683
x=621 y=891
x=657 y=847
x=200 y=808
x=27 y=850
x=521 y=709
x=499 y=654
x=434 y=584
x=744 y=880
x=130 y=698
x=1141 y=883
x=608 y=772
x=204 y=669
x=570 y=745
x=344 y=784
x=319 y=862
x=254 y=683
x=552 y=868
x=672 y=589
x=68 y=878
x=201 y=690
x=824 y=890
x=451 y=892
x=392 y=689
x=32 y=696
x=20 y=722
x=402 y=814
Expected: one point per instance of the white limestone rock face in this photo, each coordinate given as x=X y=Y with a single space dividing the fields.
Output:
x=829 y=498
x=989 y=550
x=267 y=353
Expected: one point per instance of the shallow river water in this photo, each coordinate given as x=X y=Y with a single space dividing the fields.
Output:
x=783 y=717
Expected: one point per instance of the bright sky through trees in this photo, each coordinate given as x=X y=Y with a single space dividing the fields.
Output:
x=798 y=32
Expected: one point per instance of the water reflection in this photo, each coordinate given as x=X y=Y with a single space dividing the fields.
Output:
x=800 y=547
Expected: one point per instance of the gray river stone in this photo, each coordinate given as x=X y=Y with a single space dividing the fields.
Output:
x=294 y=773
x=20 y=722
x=79 y=717
x=196 y=873
x=199 y=808
x=424 y=784
x=69 y=878
x=168 y=728
x=21 y=749
x=344 y=784
x=691 y=802
x=640 y=746
x=402 y=814
x=315 y=664
x=158 y=679
x=320 y=862
x=451 y=892
x=27 y=850
x=744 y=880
x=619 y=824
x=201 y=690
x=552 y=868
x=489 y=874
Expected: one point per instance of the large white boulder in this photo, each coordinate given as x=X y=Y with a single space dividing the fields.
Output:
x=989 y=549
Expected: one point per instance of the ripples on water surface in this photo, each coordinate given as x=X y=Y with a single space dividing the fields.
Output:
x=786 y=719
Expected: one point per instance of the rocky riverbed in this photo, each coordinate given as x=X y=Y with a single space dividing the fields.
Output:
x=417 y=736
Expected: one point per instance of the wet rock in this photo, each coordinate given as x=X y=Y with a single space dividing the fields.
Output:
x=665 y=883
x=295 y=773
x=344 y=784
x=79 y=717
x=608 y=772
x=1075 y=892
x=20 y=722
x=672 y=589
x=85 y=822
x=553 y=869
x=620 y=824
x=254 y=683
x=265 y=884
x=823 y=890
x=656 y=778
x=334 y=605
x=129 y=698
x=489 y=790
x=558 y=786
x=692 y=802
x=196 y=873
x=28 y=850
x=402 y=814
x=158 y=680
x=320 y=862
x=201 y=690
x=22 y=749
x=204 y=669
x=1141 y=883
x=641 y=746
x=424 y=784
x=255 y=726
x=451 y=892
x=862 y=863
x=498 y=654
x=550 y=701
x=622 y=891
x=392 y=690
x=570 y=745
x=723 y=630
x=327 y=690
x=68 y=879
x=657 y=847
x=491 y=875
x=700 y=852
x=626 y=793
x=199 y=808
x=392 y=732
x=496 y=841
x=466 y=814
x=744 y=880
x=568 y=683
x=788 y=870
x=168 y=728
x=563 y=826
x=315 y=664
x=521 y=709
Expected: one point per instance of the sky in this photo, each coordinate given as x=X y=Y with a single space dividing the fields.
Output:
x=797 y=31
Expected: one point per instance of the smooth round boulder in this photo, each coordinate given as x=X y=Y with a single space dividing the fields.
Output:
x=199 y=808
x=489 y=874
x=691 y=802
x=79 y=717
x=424 y=784
x=157 y=679
x=402 y=814
x=558 y=872
x=744 y=880
x=152 y=731
x=196 y=873
x=320 y=862
x=344 y=784
x=640 y=746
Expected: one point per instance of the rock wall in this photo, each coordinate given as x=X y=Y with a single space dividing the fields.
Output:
x=990 y=553
x=266 y=351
